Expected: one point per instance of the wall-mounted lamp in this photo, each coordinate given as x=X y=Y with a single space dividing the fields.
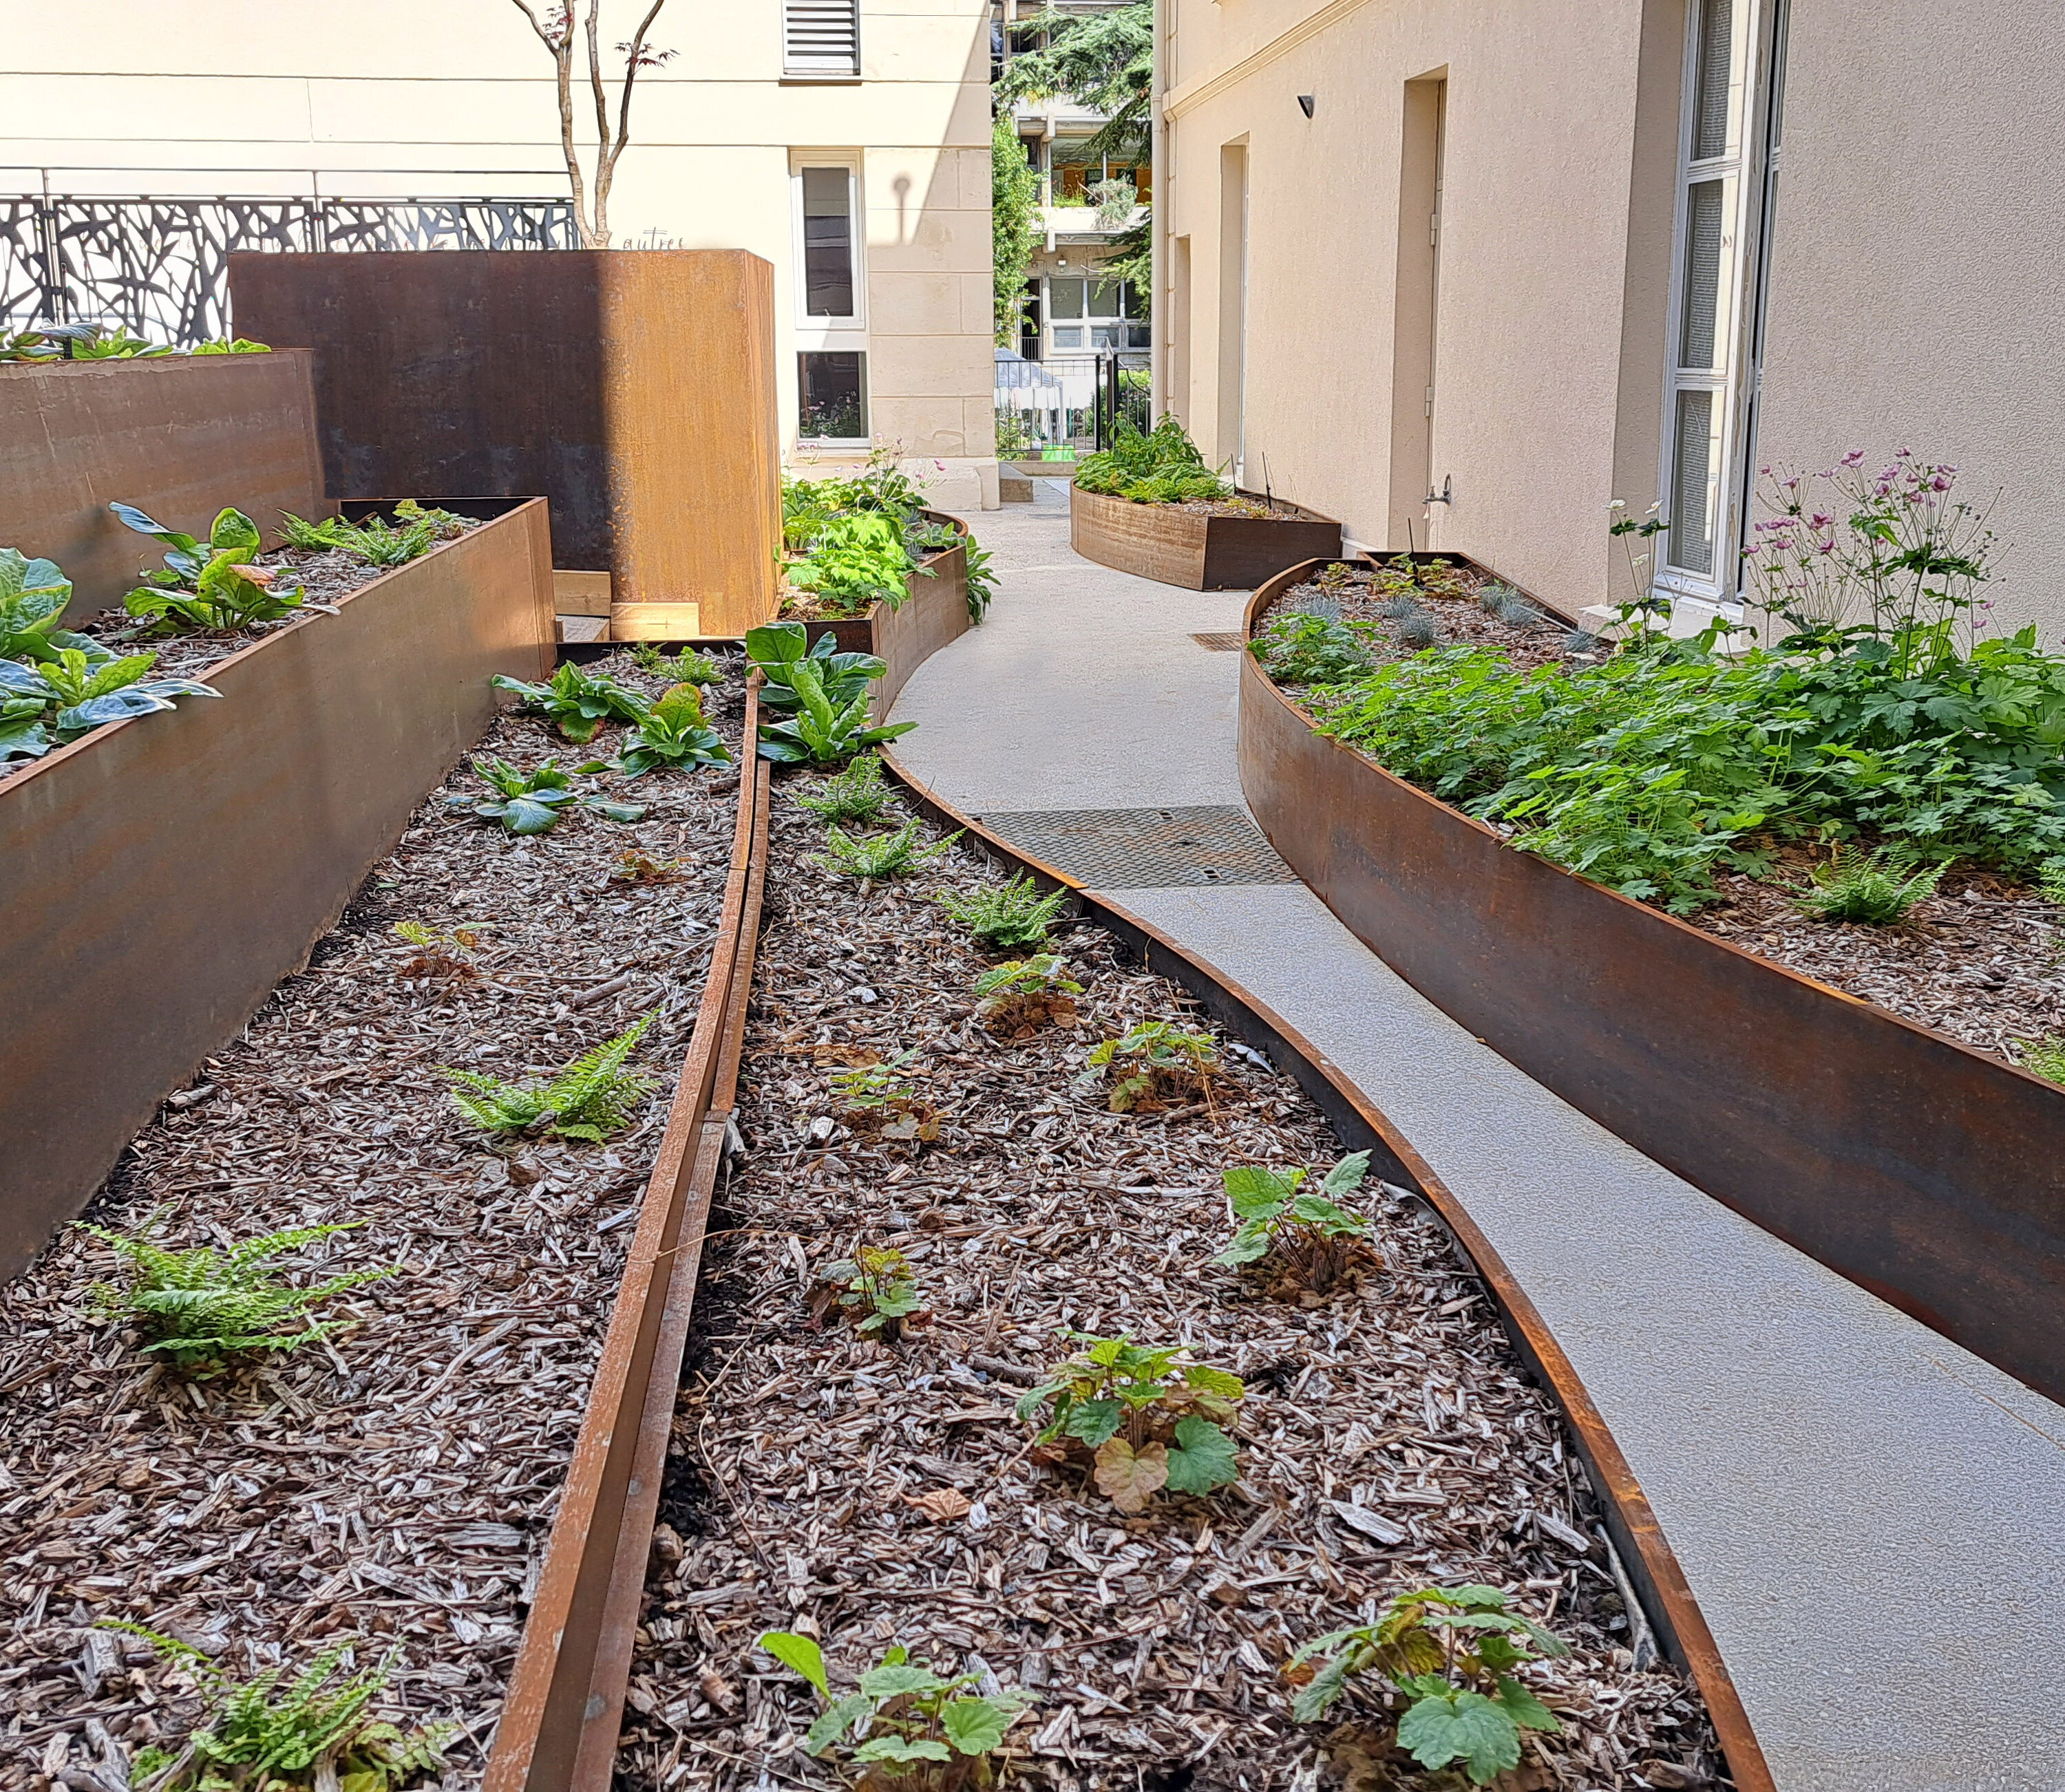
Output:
x=1305 y=104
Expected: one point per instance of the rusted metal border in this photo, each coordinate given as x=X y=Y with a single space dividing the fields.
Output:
x=1666 y=1596
x=1182 y=547
x=1920 y=1170
x=564 y=1707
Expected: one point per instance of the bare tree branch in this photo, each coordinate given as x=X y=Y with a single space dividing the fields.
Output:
x=556 y=30
x=634 y=53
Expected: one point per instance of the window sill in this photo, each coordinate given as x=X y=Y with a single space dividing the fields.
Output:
x=819 y=81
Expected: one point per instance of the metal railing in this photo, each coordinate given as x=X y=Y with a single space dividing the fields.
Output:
x=1074 y=401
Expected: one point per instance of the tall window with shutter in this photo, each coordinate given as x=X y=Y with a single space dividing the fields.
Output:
x=821 y=39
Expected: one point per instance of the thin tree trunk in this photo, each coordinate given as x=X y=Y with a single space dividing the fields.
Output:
x=605 y=171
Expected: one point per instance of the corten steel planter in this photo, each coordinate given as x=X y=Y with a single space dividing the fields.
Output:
x=634 y=388
x=158 y=876
x=935 y=613
x=179 y=437
x=1920 y=1170
x=1178 y=546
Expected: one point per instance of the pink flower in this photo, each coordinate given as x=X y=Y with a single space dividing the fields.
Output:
x=1854 y=457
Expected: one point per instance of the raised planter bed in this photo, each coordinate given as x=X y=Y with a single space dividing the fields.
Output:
x=1179 y=545
x=172 y=436
x=160 y=875
x=935 y=612
x=1919 y=1167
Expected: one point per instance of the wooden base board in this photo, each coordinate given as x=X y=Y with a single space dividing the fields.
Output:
x=580 y=594
x=656 y=622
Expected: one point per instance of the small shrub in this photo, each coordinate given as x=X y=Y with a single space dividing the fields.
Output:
x=884 y=855
x=446 y=955
x=1141 y=1417
x=858 y=794
x=594 y=1097
x=854 y=561
x=923 y=1732
x=1152 y=1065
x=313 y=1732
x=1449 y=1651
x=1160 y=467
x=576 y=702
x=982 y=581
x=671 y=732
x=876 y=1293
x=1416 y=632
x=1877 y=890
x=1493 y=597
x=532 y=802
x=1018 y=999
x=1304 y=1240
x=1010 y=915
x=203 y=1305
x=211 y=584
x=1296 y=648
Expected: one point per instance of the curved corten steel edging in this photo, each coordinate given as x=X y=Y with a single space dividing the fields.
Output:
x=1652 y=1564
x=1920 y=1170
x=1177 y=546
x=565 y=1707
x=161 y=875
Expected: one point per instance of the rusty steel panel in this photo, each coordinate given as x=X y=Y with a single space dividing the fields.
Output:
x=935 y=613
x=634 y=390
x=179 y=437
x=1184 y=547
x=1920 y=1170
x=160 y=876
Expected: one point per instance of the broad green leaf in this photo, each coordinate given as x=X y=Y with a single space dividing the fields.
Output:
x=1248 y=1243
x=1129 y=1478
x=1317 y=1210
x=1521 y=1706
x=1346 y=1177
x=526 y=814
x=1320 y=1691
x=889 y=1681
x=1092 y=1420
x=897 y=1747
x=777 y=643
x=1203 y=1458
x=143 y=526
x=617 y=812
x=1466 y=1727
x=1255 y=1193
x=234 y=532
x=835 y=1721
x=1213 y=1380
x=975 y=1726
x=799 y=1653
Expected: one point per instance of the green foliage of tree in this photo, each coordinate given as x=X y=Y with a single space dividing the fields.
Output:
x=1014 y=218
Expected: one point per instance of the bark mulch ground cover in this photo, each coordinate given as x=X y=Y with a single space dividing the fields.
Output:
x=1447 y=594
x=393 y=1487
x=876 y=1494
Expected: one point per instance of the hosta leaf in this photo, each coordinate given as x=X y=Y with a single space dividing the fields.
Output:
x=1466 y=1727
x=1129 y=1478
x=1204 y=1458
x=802 y=1653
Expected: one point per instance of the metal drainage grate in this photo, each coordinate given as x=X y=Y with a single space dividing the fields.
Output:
x=1219 y=644
x=1141 y=849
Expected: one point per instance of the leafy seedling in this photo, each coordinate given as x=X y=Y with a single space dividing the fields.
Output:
x=1878 y=889
x=75 y=691
x=1017 y=999
x=33 y=596
x=855 y=562
x=1154 y=1064
x=858 y=794
x=576 y=702
x=1451 y=1652
x=594 y=1097
x=776 y=650
x=982 y=581
x=929 y=1733
x=314 y=1731
x=1299 y=649
x=879 y=1099
x=873 y=1291
x=636 y=867
x=211 y=584
x=881 y=855
x=821 y=732
x=688 y=667
x=1302 y=1240
x=1143 y=1419
x=530 y=802
x=1012 y=915
x=673 y=733
x=202 y=1306
x=446 y=955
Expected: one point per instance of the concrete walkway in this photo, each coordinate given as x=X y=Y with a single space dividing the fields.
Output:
x=1869 y=1515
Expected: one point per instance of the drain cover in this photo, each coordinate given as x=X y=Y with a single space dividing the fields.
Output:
x=1141 y=848
x=1219 y=644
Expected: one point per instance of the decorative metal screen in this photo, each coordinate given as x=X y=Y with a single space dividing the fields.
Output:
x=160 y=266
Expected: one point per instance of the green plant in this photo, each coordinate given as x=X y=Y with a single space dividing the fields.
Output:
x=854 y=562
x=2045 y=1057
x=577 y=702
x=865 y=1086
x=594 y=1097
x=2050 y=880
x=77 y=690
x=211 y=584
x=96 y=342
x=881 y=855
x=1163 y=467
x=1877 y=890
x=1014 y=225
x=202 y=1306
x=1012 y=915
x=1153 y=1064
x=982 y=580
x=30 y=345
x=821 y=732
x=1450 y=1651
x=859 y=794
x=875 y=1292
x=1018 y=999
x=1146 y=1419
x=312 y=1733
x=916 y=1728
x=671 y=732
x=532 y=802
x=1308 y=1238
x=1298 y=648
x=443 y=953
x=33 y=596
x=231 y=345
x=776 y=650
x=687 y=667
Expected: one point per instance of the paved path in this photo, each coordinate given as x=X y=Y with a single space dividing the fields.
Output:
x=1869 y=1515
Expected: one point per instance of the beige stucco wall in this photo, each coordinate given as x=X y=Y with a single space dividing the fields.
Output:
x=455 y=97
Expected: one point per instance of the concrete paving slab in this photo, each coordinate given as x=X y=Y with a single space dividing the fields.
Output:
x=1868 y=1515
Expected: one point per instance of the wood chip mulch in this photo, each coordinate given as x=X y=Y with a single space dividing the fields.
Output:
x=1452 y=604
x=394 y=1487
x=881 y=1494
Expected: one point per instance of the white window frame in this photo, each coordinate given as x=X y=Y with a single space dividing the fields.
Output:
x=809 y=328
x=1088 y=320
x=1737 y=168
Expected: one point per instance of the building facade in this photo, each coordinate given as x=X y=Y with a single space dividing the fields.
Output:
x=845 y=141
x=1461 y=274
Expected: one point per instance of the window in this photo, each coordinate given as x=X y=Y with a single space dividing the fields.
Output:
x=825 y=198
x=821 y=39
x=832 y=391
x=1703 y=425
x=1090 y=313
